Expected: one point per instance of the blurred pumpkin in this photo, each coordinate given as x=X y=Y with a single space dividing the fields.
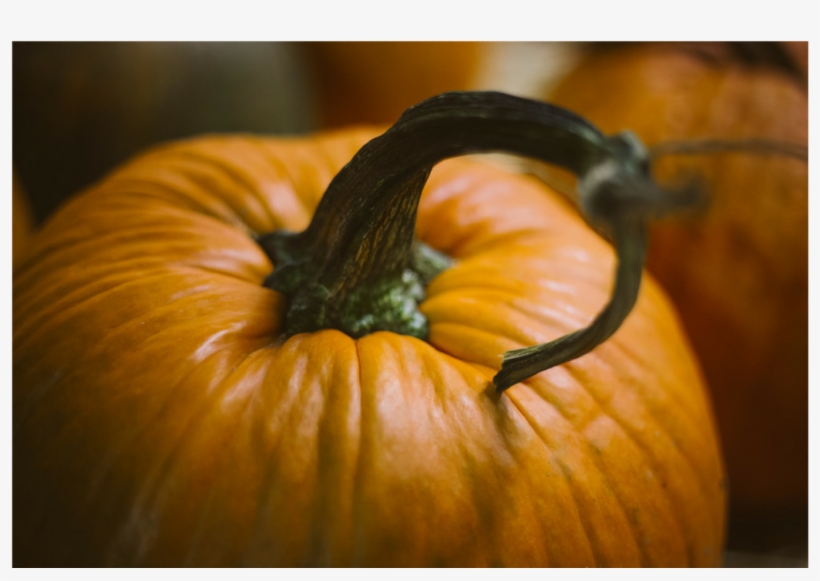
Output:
x=738 y=273
x=798 y=52
x=82 y=108
x=374 y=82
x=161 y=417
x=21 y=222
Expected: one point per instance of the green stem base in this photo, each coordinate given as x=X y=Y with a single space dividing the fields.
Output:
x=387 y=303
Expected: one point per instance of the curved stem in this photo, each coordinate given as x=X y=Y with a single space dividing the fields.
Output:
x=387 y=174
x=629 y=238
x=521 y=364
x=356 y=267
x=359 y=244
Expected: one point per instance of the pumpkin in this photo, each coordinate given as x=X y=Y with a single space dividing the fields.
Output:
x=22 y=225
x=82 y=108
x=374 y=82
x=798 y=53
x=168 y=410
x=738 y=271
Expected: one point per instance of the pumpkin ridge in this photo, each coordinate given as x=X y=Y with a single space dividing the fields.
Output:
x=651 y=460
x=292 y=180
x=501 y=417
x=325 y=544
x=546 y=326
x=303 y=179
x=684 y=409
x=610 y=482
x=107 y=468
x=190 y=558
x=147 y=496
x=468 y=357
x=640 y=446
x=535 y=387
x=506 y=321
x=286 y=404
x=223 y=170
x=192 y=292
x=668 y=398
x=357 y=470
x=550 y=318
x=321 y=146
x=184 y=163
x=61 y=312
x=594 y=551
x=487 y=245
x=629 y=509
x=307 y=186
x=608 y=414
x=502 y=288
x=160 y=226
x=550 y=268
x=108 y=552
x=556 y=326
x=175 y=197
x=108 y=463
x=603 y=410
x=300 y=404
x=83 y=292
x=463 y=365
x=328 y=143
x=211 y=271
x=468 y=372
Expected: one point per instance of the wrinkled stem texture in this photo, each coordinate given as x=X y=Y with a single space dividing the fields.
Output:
x=357 y=268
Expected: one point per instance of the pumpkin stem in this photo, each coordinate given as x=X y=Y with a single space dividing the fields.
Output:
x=520 y=364
x=709 y=146
x=357 y=267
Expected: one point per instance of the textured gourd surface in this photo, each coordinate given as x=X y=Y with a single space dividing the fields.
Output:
x=737 y=273
x=374 y=82
x=159 y=419
x=22 y=226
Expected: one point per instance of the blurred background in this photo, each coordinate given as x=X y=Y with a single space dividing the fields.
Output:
x=80 y=109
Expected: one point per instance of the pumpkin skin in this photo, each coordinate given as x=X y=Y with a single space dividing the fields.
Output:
x=83 y=108
x=159 y=420
x=22 y=226
x=374 y=82
x=799 y=54
x=738 y=273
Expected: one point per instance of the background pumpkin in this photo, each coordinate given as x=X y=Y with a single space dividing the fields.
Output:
x=374 y=82
x=158 y=421
x=21 y=221
x=82 y=108
x=739 y=272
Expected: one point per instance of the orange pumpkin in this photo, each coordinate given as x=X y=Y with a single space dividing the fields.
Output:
x=738 y=273
x=83 y=108
x=21 y=221
x=374 y=82
x=161 y=417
